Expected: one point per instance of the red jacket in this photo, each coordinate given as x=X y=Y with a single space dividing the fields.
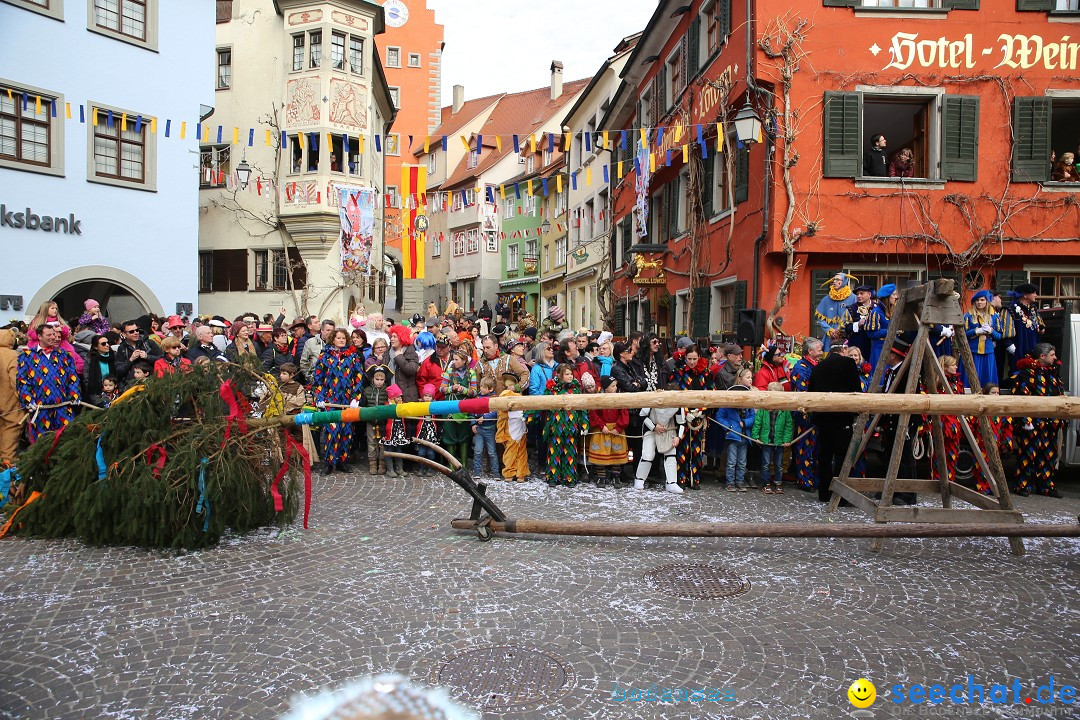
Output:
x=772 y=373
x=430 y=372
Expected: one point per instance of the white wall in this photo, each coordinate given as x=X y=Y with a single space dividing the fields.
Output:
x=152 y=236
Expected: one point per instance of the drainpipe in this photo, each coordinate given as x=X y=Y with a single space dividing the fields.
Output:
x=751 y=87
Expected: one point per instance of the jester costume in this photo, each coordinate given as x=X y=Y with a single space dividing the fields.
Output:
x=951 y=429
x=1036 y=448
x=337 y=378
x=47 y=377
x=877 y=327
x=691 y=450
x=1001 y=429
x=865 y=373
x=982 y=342
x=561 y=436
x=804 y=453
x=858 y=336
x=832 y=308
x=1028 y=326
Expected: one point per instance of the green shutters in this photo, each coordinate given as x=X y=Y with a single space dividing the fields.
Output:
x=671 y=209
x=960 y=138
x=1037 y=5
x=620 y=319
x=699 y=312
x=1031 y=139
x=1006 y=280
x=708 y=179
x=693 y=48
x=739 y=302
x=661 y=91
x=742 y=174
x=842 y=122
x=724 y=18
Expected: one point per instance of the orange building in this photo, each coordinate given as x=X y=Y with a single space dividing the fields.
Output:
x=411 y=52
x=983 y=97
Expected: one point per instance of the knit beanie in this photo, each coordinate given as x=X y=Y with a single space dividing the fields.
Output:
x=90 y=303
x=393 y=391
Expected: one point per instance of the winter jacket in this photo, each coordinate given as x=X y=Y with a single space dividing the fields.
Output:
x=163 y=367
x=628 y=377
x=273 y=358
x=603 y=364
x=406 y=365
x=125 y=367
x=209 y=351
x=92 y=376
x=772 y=427
x=770 y=373
x=538 y=377
x=505 y=363
x=313 y=348
x=10 y=409
x=431 y=373
x=374 y=396
x=735 y=419
x=727 y=374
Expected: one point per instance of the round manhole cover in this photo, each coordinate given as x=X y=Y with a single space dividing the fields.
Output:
x=696 y=582
x=505 y=677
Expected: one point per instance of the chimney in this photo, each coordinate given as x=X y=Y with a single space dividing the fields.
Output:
x=459 y=97
x=556 y=79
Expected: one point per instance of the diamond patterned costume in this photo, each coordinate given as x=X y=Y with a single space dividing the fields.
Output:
x=561 y=436
x=1036 y=449
x=804 y=452
x=337 y=378
x=47 y=378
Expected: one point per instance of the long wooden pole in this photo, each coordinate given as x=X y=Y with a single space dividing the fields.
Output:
x=801 y=530
x=979 y=405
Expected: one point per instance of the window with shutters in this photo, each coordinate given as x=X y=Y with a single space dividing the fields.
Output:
x=206 y=272
x=913 y=5
x=230 y=270
x=716 y=26
x=676 y=80
x=722 y=308
x=716 y=190
x=1044 y=129
x=940 y=133
x=902 y=4
x=682 y=318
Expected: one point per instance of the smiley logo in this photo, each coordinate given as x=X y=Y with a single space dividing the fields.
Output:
x=862 y=693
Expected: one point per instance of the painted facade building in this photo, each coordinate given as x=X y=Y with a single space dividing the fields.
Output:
x=589 y=250
x=307 y=73
x=411 y=51
x=114 y=201
x=980 y=93
x=469 y=261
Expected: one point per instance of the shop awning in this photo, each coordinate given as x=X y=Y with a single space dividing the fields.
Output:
x=522 y=281
x=581 y=274
x=465 y=277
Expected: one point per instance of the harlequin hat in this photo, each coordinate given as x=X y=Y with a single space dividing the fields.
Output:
x=886 y=290
x=841 y=275
x=983 y=294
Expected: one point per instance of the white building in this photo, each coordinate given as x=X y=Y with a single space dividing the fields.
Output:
x=108 y=211
x=307 y=70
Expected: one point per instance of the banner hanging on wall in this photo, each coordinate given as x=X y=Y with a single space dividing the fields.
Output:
x=357 y=211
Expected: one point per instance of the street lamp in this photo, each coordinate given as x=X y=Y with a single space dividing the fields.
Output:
x=243 y=172
x=747 y=125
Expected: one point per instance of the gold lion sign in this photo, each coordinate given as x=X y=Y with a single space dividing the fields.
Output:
x=642 y=264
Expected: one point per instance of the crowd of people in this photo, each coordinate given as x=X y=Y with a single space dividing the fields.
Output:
x=372 y=361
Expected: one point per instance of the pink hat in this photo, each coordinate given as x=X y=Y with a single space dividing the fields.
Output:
x=393 y=391
x=428 y=389
x=556 y=313
x=174 y=321
x=91 y=303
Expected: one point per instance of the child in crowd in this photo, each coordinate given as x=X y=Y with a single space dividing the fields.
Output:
x=604 y=360
x=738 y=424
x=510 y=430
x=663 y=430
x=950 y=424
x=772 y=428
x=396 y=438
x=745 y=377
x=140 y=371
x=1001 y=429
x=110 y=390
x=427 y=429
x=561 y=431
x=483 y=429
x=374 y=394
x=292 y=392
x=459 y=382
x=607 y=438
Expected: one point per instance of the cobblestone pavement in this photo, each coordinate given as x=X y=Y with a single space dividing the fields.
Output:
x=381 y=583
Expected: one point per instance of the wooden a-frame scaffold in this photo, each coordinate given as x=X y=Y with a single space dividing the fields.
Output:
x=921 y=309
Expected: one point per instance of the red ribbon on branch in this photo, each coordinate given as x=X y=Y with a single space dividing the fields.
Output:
x=159 y=464
x=291 y=446
x=56 y=439
x=228 y=395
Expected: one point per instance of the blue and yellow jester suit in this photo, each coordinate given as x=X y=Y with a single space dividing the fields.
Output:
x=47 y=378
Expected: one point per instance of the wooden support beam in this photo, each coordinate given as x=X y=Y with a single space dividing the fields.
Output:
x=803 y=530
x=946 y=515
x=900 y=485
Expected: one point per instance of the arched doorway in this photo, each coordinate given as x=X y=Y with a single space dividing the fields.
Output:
x=122 y=296
x=395 y=283
x=117 y=302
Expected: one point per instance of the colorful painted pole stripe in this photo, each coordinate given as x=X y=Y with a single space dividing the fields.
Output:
x=471 y=406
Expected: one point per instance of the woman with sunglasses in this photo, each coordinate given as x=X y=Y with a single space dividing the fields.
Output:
x=100 y=361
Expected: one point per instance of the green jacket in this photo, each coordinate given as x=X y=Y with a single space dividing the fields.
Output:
x=782 y=431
